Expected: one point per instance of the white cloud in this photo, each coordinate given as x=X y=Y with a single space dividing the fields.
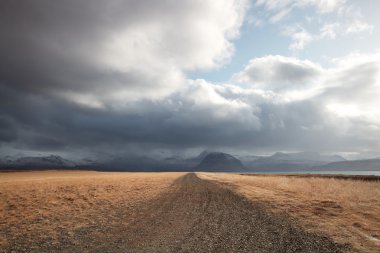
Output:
x=354 y=87
x=252 y=20
x=204 y=103
x=345 y=19
x=329 y=31
x=343 y=100
x=332 y=30
x=359 y=26
x=324 y=6
x=300 y=39
x=327 y=6
x=350 y=89
x=279 y=73
x=279 y=16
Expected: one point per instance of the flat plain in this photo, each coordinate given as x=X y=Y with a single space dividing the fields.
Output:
x=77 y=211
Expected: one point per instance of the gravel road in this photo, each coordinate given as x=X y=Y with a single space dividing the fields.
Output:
x=196 y=215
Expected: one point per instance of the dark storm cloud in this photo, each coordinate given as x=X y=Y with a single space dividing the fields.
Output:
x=55 y=123
x=71 y=70
x=7 y=130
x=47 y=46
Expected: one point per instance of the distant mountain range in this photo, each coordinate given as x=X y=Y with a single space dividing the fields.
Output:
x=205 y=161
x=43 y=162
x=291 y=161
x=360 y=165
x=306 y=156
x=217 y=161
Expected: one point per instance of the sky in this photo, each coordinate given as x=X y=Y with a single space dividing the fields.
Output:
x=99 y=78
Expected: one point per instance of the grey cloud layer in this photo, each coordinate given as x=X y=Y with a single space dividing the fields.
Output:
x=117 y=49
x=111 y=75
x=102 y=73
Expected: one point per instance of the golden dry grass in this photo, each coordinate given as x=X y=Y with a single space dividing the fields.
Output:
x=38 y=204
x=347 y=210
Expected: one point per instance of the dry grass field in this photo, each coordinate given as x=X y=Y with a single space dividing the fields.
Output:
x=78 y=211
x=348 y=210
x=47 y=207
